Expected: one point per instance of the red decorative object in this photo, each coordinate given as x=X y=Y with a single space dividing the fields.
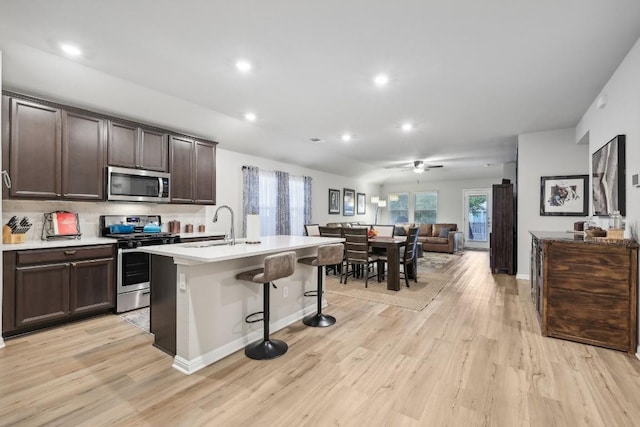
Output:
x=372 y=233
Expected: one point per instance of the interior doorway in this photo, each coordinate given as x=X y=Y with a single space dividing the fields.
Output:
x=476 y=208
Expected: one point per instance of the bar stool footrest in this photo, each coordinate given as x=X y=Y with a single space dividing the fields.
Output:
x=265 y=350
x=311 y=294
x=247 y=320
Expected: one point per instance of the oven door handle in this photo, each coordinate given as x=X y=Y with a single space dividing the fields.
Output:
x=129 y=250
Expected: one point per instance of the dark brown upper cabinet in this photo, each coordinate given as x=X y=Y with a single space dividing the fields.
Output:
x=53 y=153
x=35 y=150
x=83 y=154
x=138 y=148
x=193 y=171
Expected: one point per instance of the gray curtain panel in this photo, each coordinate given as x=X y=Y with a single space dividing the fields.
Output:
x=283 y=221
x=250 y=195
x=307 y=199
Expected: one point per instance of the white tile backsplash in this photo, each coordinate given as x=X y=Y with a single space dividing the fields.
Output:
x=89 y=213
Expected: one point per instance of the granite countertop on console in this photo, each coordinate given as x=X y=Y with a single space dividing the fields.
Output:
x=58 y=243
x=562 y=236
x=218 y=250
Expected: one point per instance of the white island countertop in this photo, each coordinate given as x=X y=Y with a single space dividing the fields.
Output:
x=216 y=251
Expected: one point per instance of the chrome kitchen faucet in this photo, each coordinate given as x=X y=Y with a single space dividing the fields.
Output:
x=215 y=219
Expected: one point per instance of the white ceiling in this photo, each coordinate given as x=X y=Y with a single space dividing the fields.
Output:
x=471 y=75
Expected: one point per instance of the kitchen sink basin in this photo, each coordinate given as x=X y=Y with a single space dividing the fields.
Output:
x=209 y=243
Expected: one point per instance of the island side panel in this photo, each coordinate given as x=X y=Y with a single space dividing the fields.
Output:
x=163 y=303
x=211 y=309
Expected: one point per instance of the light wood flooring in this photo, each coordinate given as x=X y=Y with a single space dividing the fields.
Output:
x=473 y=357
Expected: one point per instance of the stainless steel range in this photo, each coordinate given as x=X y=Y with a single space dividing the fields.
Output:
x=132 y=232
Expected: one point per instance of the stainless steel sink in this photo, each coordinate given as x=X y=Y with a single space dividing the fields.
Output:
x=209 y=244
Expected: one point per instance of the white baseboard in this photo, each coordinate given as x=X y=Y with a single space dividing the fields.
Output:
x=188 y=367
x=522 y=276
x=638 y=352
x=1 y=343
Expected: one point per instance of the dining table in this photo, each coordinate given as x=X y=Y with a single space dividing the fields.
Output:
x=392 y=246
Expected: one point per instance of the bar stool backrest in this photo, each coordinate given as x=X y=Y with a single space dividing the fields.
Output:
x=276 y=267
x=330 y=254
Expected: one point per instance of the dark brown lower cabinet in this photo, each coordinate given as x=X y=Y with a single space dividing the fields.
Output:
x=46 y=287
x=586 y=290
x=42 y=294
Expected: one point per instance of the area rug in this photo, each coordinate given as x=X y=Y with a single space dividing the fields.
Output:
x=138 y=318
x=436 y=260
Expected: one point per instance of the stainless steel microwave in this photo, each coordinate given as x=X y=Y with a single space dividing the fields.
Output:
x=137 y=185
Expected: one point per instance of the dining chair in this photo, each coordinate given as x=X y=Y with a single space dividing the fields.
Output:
x=384 y=230
x=312 y=229
x=332 y=232
x=409 y=257
x=357 y=254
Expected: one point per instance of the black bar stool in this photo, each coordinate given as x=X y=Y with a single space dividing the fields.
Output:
x=327 y=255
x=275 y=267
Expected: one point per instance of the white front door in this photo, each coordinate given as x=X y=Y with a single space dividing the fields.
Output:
x=476 y=208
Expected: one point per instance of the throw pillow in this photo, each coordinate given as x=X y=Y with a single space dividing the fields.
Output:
x=444 y=232
x=399 y=231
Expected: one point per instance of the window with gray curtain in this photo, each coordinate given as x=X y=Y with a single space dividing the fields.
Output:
x=283 y=201
x=250 y=194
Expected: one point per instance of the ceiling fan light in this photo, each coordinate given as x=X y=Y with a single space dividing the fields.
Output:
x=418 y=169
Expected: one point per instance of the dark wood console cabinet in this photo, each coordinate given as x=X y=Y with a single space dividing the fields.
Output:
x=586 y=291
x=45 y=287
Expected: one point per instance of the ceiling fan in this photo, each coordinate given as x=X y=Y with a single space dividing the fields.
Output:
x=417 y=166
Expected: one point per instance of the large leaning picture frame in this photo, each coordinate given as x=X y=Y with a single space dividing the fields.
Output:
x=348 y=202
x=608 y=177
x=334 y=201
x=564 y=195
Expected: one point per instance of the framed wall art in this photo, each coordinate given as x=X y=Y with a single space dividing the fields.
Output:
x=334 y=201
x=608 y=178
x=564 y=195
x=361 y=204
x=348 y=202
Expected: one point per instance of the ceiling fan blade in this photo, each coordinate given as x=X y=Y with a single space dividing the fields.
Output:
x=432 y=166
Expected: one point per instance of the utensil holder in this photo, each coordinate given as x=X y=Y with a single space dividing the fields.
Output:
x=9 y=238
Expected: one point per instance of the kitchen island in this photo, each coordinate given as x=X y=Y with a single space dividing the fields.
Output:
x=198 y=308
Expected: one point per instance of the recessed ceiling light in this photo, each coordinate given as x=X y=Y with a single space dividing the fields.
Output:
x=70 y=49
x=407 y=127
x=346 y=137
x=381 y=80
x=486 y=165
x=244 y=66
x=250 y=117
x=315 y=140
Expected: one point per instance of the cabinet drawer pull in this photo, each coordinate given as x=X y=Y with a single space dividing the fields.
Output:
x=146 y=293
x=70 y=252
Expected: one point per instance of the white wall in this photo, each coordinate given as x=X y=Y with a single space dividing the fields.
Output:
x=552 y=153
x=621 y=115
x=229 y=188
x=449 y=197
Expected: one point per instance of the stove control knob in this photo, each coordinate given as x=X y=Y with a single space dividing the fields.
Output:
x=138 y=243
x=130 y=244
x=165 y=241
